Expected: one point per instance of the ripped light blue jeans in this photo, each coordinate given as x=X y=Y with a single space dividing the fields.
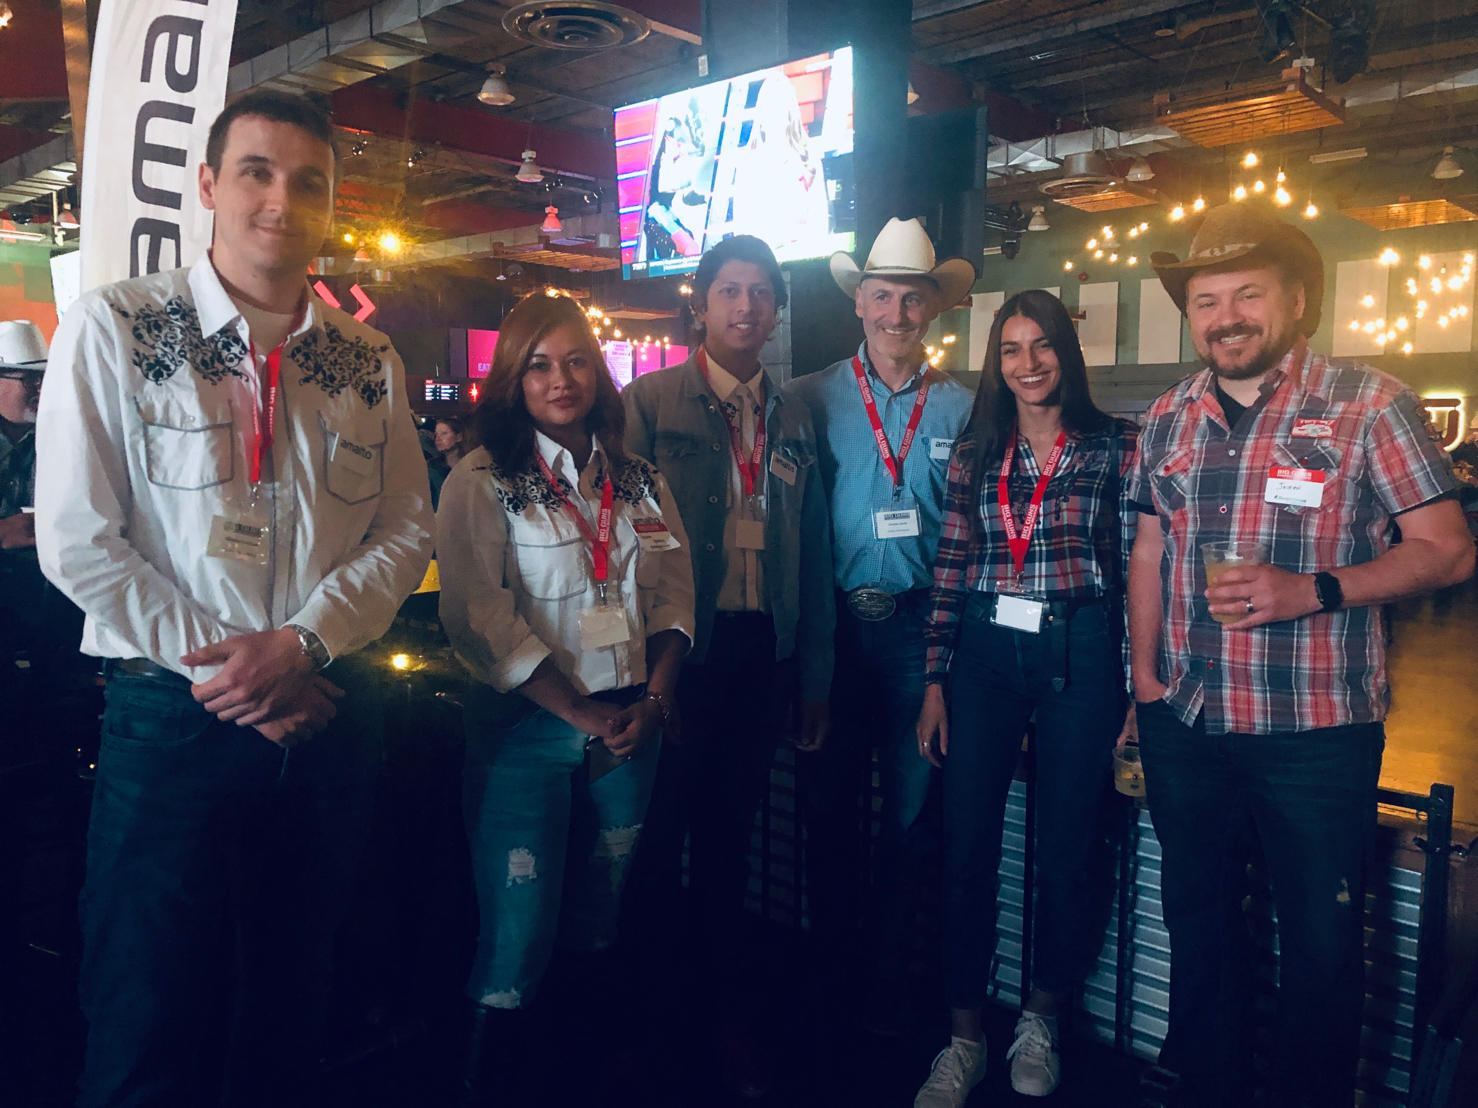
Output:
x=550 y=848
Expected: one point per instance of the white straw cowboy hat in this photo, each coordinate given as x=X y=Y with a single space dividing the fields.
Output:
x=1236 y=231
x=903 y=250
x=22 y=346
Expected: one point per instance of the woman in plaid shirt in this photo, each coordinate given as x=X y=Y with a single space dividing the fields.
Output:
x=1027 y=619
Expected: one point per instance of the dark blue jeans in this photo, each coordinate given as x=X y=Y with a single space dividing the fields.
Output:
x=876 y=695
x=218 y=867
x=1310 y=799
x=998 y=679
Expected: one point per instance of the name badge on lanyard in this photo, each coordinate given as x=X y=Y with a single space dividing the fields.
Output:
x=900 y=518
x=242 y=532
x=604 y=623
x=1297 y=488
x=1016 y=609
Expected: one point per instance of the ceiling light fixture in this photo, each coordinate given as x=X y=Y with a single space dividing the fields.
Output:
x=1038 y=221
x=5 y=14
x=1446 y=168
x=1324 y=157
x=551 y=224
x=495 y=92
x=913 y=97
x=1140 y=170
x=529 y=172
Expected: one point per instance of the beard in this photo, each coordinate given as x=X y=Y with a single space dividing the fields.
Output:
x=1257 y=361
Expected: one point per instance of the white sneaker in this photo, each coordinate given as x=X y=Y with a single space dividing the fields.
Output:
x=957 y=1069
x=1035 y=1066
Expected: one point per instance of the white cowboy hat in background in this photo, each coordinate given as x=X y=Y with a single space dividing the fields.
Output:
x=22 y=346
x=903 y=250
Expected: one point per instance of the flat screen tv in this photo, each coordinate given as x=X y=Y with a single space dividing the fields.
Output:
x=768 y=153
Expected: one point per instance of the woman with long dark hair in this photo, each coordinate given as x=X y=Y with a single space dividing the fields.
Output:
x=567 y=592
x=1027 y=621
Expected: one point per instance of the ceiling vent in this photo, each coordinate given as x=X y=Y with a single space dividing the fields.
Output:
x=1083 y=175
x=575 y=25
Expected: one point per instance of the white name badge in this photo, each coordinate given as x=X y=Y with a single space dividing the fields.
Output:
x=939 y=449
x=1298 y=488
x=1021 y=613
x=352 y=456
x=602 y=626
x=240 y=537
x=783 y=468
x=896 y=523
x=750 y=534
x=653 y=534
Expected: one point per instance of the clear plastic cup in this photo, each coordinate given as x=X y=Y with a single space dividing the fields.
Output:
x=1222 y=556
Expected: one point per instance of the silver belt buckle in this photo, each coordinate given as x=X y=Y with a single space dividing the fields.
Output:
x=871 y=604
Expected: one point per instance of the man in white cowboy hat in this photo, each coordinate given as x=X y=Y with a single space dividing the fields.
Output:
x=22 y=360
x=1261 y=699
x=885 y=423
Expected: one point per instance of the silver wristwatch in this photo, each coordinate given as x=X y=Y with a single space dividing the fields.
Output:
x=313 y=648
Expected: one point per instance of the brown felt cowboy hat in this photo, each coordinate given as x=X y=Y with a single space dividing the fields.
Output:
x=1241 y=231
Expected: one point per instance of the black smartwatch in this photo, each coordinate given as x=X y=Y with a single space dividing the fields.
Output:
x=1328 y=592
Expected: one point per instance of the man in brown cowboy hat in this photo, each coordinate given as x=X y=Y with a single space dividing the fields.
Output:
x=1261 y=699
x=885 y=422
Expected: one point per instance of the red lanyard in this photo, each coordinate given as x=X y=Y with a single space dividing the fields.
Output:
x=1018 y=543
x=895 y=467
x=600 y=538
x=262 y=427
x=749 y=471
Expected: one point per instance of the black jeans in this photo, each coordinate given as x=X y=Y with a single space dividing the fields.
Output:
x=218 y=867
x=710 y=785
x=998 y=679
x=1310 y=799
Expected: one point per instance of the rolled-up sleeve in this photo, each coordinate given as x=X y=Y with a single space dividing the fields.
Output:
x=477 y=609
x=669 y=606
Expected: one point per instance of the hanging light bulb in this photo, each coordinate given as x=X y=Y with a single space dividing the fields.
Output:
x=529 y=172
x=1281 y=197
x=1239 y=193
x=1198 y=204
x=1177 y=213
x=1249 y=160
x=1258 y=186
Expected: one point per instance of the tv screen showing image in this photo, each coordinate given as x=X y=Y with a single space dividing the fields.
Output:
x=768 y=153
x=480 y=347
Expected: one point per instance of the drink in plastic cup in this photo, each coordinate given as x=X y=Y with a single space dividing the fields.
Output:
x=1128 y=774
x=1222 y=556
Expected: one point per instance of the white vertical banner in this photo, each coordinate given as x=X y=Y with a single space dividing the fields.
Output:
x=158 y=81
x=1159 y=324
x=1361 y=291
x=1098 y=330
x=983 y=309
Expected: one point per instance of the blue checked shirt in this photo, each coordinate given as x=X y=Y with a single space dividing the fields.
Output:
x=857 y=482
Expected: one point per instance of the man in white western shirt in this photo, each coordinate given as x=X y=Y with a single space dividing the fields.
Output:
x=233 y=493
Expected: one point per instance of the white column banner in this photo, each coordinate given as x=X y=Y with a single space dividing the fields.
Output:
x=1159 y=324
x=983 y=309
x=1098 y=331
x=158 y=81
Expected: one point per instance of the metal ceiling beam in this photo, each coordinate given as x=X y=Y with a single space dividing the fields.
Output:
x=992 y=43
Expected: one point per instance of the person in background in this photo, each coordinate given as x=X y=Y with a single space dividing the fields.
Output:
x=1026 y=621
x=567 y=592
x=230 y=489
x=22 y=361
x=741 y=460
x=448 y=439
x=1261 y=699
x=886 y=423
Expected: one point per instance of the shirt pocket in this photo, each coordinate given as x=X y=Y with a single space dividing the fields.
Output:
x=1170 y=482
x=187 y=450
x=353 y=461
x=551 y=565
x=1324 y=457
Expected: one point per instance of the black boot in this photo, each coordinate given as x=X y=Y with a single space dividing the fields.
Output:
x=494 y=1058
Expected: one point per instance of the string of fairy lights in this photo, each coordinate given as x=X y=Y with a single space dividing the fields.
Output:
x=1432 y=288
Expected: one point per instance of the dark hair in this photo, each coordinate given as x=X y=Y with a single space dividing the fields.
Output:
x=994 y=414
x=501 y=422
x=739 y=248
x=309 y=113
x=454 y=422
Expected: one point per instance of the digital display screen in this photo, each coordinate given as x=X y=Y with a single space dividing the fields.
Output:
x=443 y=391
x=480 y=347
x=767 y=154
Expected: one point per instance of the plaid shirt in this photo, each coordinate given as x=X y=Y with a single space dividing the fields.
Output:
x=1079 y=547
x=1206 y=482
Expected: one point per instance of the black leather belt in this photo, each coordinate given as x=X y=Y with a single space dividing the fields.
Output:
x=142 y=667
